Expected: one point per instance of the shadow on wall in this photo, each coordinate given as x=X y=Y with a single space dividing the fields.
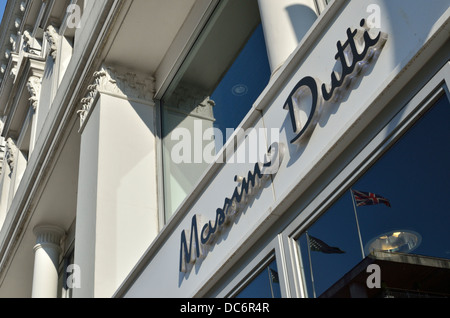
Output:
x=410 y=26
x=302 y=17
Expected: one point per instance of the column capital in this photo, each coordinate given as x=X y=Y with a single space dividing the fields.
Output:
x=46 y=259
x=124 y=83
x=48 y=235
x=118 y=82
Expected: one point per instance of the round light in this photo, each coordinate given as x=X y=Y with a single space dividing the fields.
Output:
x=395 y=241
x=239 y=90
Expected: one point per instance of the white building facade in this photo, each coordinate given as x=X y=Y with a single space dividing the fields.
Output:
x=224 y=148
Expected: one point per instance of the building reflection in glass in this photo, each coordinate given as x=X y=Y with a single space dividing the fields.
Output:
x=414 y=175
x=266 y=284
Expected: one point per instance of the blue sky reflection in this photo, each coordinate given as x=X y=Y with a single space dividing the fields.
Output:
x=415 y=176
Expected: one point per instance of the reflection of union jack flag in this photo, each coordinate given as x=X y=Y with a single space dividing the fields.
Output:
x=367 y=198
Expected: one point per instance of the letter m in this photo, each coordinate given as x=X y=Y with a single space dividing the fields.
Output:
x=186 y=255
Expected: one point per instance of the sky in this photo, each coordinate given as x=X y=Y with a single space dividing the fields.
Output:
x=2 y=7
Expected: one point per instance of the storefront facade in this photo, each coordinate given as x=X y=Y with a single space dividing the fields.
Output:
x=337 y=140
x=291 y=149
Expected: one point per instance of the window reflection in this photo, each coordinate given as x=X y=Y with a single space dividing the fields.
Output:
x=403 y=227
x=213 y=91
x=265 y=285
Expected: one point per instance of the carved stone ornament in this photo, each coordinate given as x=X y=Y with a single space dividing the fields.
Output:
x=27 y=42
x=53 y=38
x=34 y=88
x=125 y=85
x=129 y=84
x=10 y=155
x=13 y=41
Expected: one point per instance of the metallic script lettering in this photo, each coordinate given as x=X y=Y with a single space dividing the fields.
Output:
x=353 y=55
x=246 y=188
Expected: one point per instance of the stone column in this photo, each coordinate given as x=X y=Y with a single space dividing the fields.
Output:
x=46 y=261
x=285 y=23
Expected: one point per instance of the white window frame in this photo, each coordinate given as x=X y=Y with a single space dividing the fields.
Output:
x=393 y=130
x=247 y=272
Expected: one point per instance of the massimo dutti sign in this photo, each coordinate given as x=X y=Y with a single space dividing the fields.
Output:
x=354 y=55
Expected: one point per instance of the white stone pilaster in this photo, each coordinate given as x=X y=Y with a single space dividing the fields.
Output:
x=117 y=216
x=46 y=260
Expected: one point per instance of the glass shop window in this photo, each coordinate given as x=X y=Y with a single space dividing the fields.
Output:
x=388 y=236
x=265 y=285
x=217 y=85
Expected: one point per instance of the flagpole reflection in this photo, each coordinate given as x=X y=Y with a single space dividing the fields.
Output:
x=357 y=224
x=270 y=281
x=310 y=263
